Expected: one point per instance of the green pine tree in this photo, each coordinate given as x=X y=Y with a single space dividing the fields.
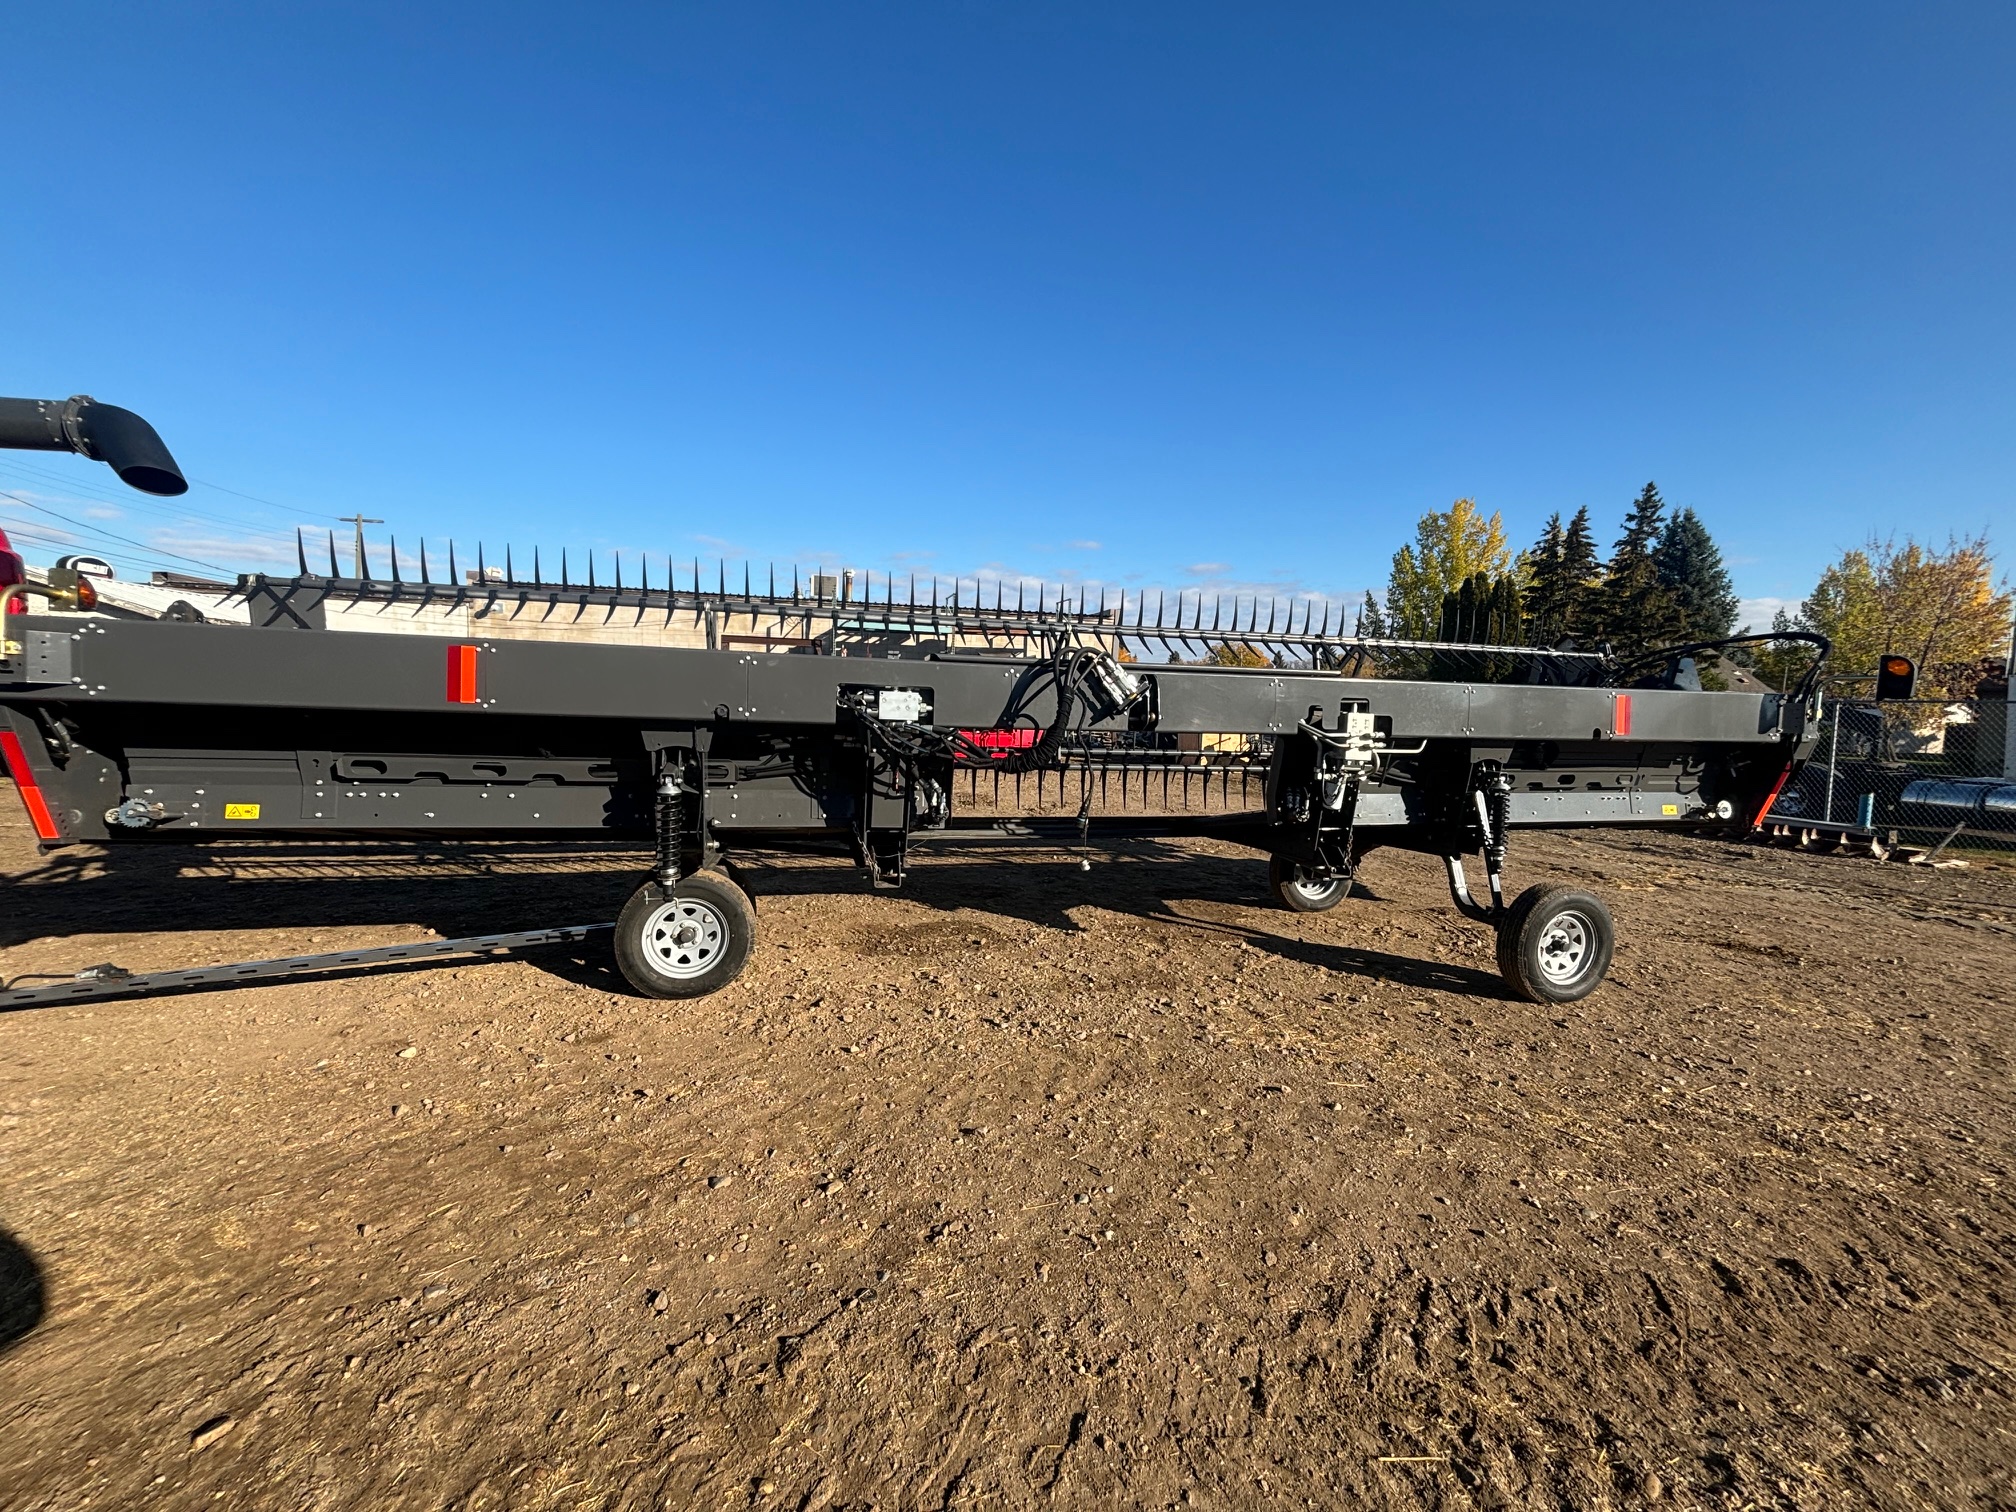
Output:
x=1546 y=584
x=1690 y=565
x=1582 y=573
x=1564 y=575
x=1636 y=610
x=1371 y=621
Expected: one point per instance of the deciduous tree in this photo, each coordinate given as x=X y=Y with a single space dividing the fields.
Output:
x=1943 y=609
x=1449 y=546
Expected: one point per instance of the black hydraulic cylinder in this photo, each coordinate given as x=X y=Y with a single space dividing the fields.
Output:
x=103 y=432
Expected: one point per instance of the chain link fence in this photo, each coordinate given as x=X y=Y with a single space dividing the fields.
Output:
x=1923 y=772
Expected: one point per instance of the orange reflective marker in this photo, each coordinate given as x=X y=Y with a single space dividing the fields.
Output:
x=31 y=791
x=462 y=674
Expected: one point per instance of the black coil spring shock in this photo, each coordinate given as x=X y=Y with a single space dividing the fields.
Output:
x=671 y=828
x=1501 y=814
x=1498 y=798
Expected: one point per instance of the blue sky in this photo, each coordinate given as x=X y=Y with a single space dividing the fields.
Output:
x=1144 y=294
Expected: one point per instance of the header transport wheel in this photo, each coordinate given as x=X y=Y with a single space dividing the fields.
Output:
x=1301 y=890
x=687 y=941
x=1555 y=943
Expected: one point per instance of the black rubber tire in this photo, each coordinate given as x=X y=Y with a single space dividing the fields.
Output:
x=725 y=926
x=1283 y=876
x=1528 y=938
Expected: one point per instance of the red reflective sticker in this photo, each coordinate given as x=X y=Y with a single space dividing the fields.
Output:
x=462 y=674
x=31 y=792
x=1620 y=715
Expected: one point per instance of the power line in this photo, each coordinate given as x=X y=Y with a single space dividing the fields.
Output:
x=128 y=502
x=27 y=536
x=286 y=508
x=111 y=534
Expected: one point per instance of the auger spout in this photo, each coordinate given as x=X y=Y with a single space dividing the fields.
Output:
x=103 y=432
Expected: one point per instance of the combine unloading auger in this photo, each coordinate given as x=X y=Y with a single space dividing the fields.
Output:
x=103 y=432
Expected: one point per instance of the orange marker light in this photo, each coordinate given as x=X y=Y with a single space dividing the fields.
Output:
x=462 y=674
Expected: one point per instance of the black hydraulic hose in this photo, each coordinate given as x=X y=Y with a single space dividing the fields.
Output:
x=103 y=432
x=1047 y=753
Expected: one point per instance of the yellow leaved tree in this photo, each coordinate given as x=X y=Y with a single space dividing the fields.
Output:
x=1449 y=547
x=1940 y=608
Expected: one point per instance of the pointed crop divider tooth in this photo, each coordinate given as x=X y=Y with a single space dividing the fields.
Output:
x=617 y=571
x=746 y=594
x=424 y=577
x=773 y=583
x=334 y=571
x=794 y=582
x=454 y=576
x=393 y=546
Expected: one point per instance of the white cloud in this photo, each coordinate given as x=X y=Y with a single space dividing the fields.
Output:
x=1207 y=569
x=1755 y=613
x=1083 y=545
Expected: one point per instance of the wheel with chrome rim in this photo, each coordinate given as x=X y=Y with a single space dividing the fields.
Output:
x=686 y=942
x=1555 y=944
x=1301 y=890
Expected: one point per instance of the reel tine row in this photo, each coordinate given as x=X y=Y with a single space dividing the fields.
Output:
x=1190 y=625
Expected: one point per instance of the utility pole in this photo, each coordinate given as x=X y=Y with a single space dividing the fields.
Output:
x=363 y=568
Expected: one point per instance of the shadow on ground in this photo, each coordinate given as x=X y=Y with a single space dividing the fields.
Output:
x=466 y=888
x=23 y=1297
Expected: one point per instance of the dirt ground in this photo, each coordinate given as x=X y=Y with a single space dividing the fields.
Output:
x=1030 y=1186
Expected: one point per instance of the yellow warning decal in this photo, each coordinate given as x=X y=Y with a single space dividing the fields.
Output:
x=251 y=811
x=1664 y=808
